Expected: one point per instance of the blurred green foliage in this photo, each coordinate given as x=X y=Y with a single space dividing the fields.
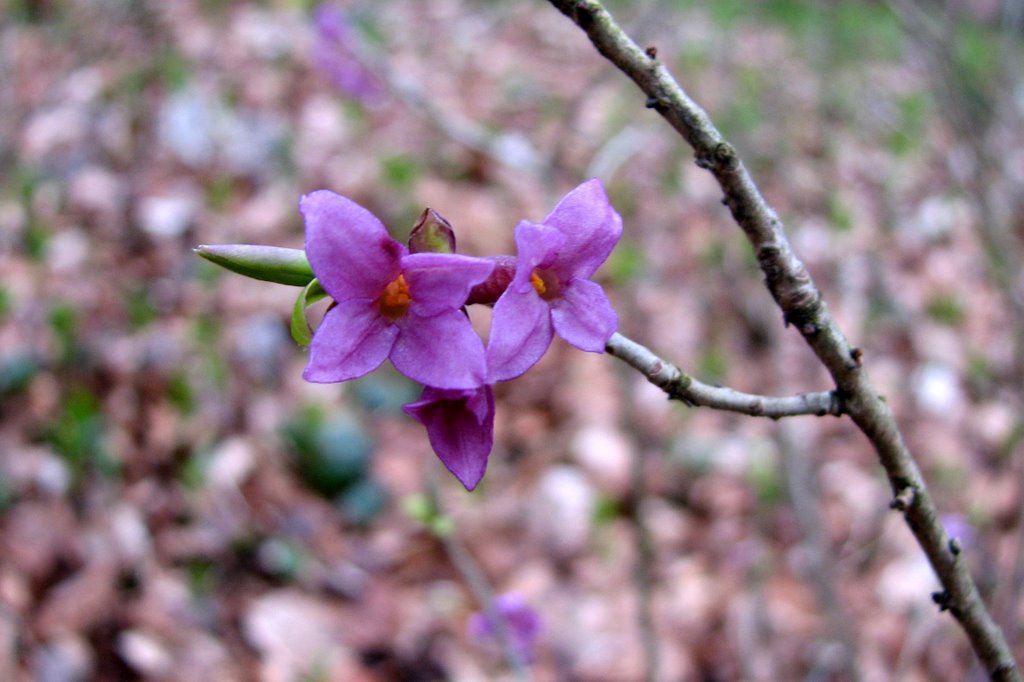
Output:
x=744 y=110
x=947 y=309
x=192 y=472
x=201 y=578
x=765 y=479
x=180 y=393
x=713 y=252
x=399 y=172
x=976 y=61
x=424 y=510
x=363 y=501
x=982 y=377
x=206 y=332
x=384 y=391
x=35 y=235
x=908 y=133
x=77 y=433
x=713 y=365
x=606 y=509
x=281 y=558
x=64 y=325
x=140 y=311
x=172 y=69
x=626 y=263
x=852 y=30
x=329 y=453
x=332 y=455
x=840 y=217
x=219 y=192
x=16 y=373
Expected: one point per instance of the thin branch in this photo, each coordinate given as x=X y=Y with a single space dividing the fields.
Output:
x=802 y=306
x=476 y=580
x=644 y=580
x=681 y=386
x=978 y=121
x=802 y=487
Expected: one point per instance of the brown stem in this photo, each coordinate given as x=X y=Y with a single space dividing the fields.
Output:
x=801 y=303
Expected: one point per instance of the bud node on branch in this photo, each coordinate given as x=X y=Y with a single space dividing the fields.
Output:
x=942 y=599
x=725 y=156
x=904 y=499
x=654 y=102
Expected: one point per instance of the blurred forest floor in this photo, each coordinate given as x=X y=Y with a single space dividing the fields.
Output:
x=177 y=504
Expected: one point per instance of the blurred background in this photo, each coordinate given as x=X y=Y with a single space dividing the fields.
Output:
x=177 y=504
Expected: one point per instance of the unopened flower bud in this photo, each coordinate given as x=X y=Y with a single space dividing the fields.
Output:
x=432 y=234
x=269 y=263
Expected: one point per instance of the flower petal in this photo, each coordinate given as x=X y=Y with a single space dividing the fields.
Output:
x=441 y=351
x=592 y=228
x=439 y=282
x=352 y=340
x=583 y=316
x=536 y=246
x=520 y=333
x=349 y=249
x=460 y=426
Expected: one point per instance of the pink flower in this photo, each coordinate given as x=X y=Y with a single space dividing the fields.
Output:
x=551 y=290
x=460 y=426
x=522 y=623
x=389 y=303
x=334 y=53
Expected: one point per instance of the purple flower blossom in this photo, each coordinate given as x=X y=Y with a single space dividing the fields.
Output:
x=334 y=53
x=551 y=291
x=389 y=304
x=460 y=426
x=522 y=624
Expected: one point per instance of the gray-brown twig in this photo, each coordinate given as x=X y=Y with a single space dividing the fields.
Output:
x=802 y=306
x=681 y=386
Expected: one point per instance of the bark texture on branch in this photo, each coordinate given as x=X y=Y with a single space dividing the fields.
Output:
x=681 y=386
x=802 y=306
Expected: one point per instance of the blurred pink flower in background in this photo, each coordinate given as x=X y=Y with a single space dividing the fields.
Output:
x=522 y=623
x=335 y=54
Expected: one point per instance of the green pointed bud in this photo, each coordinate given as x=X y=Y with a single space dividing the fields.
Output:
x=432 y=234
x=269 y=263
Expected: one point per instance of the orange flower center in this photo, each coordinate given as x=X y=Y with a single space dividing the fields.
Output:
x=538 y=283
x=545 y=283
x=394 y=302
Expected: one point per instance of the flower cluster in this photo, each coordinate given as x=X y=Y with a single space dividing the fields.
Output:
x=407 y=305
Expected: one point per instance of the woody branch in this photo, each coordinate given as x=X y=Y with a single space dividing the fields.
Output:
x=802 y=306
